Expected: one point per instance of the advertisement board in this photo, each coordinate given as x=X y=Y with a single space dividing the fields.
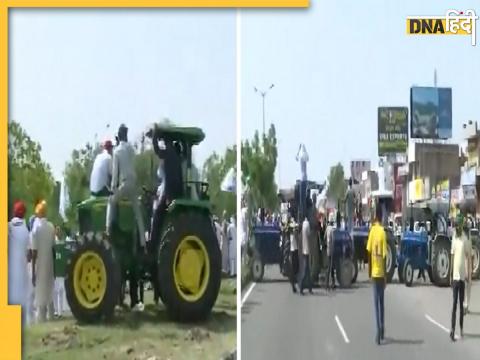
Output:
x=431 y=113
x=392 y=130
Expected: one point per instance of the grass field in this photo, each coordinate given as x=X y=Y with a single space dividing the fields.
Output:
x=148 y=335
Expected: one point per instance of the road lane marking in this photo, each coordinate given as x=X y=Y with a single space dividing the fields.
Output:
x=247 y=293
x=434 y=322
x=342 y=330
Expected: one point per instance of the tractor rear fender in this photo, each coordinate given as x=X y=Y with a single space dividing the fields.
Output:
x=186 y=204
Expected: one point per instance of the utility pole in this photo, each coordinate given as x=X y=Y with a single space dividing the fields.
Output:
x=263 y=93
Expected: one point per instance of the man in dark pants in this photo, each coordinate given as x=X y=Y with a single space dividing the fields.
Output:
x=173 y=179
x=293 y=255
x=459 y=260
x=377 y=253
x=306 y=278
x=330 y=282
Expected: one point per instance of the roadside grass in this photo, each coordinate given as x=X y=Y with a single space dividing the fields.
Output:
x=141 y=336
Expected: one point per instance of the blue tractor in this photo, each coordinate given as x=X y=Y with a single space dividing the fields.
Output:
x=426 y=248
x=267 y=249
x=360 y=237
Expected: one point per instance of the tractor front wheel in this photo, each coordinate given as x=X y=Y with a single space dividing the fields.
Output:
x=189 y=267
x=92 y=281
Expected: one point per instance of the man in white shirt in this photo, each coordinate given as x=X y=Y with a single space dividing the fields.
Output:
x=468 y=271
x=459 y=253
x=232 y=246
x=330 y=282
x=102 y=171
x=43 y=239
x=18 y=243
x=293 y=254
x=124 y=183
x=306 y=277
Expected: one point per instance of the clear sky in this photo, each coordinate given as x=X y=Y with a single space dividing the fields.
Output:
x=335 y=63
x=72 y=72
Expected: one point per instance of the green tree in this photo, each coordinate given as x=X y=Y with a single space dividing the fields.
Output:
x=214 y=171
x=336 y=184
x=77 y=177
x=259 y=160
x=30 y=178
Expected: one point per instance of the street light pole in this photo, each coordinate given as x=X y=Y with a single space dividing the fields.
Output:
x=263 y=94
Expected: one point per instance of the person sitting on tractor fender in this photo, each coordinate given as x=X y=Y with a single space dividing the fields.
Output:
x=124 y=182
x=102 y=171
x=173 y=180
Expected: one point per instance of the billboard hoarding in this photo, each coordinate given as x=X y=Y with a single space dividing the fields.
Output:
x=431 y=113
x=392 y=130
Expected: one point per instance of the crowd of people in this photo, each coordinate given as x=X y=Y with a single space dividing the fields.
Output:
x=226 y=231
x=35 y=282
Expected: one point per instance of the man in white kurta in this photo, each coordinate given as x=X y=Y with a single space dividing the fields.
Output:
x=18 y=241
x=232 y=247
x=43 y=239
x=224 y=247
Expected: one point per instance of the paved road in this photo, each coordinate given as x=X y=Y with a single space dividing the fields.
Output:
x=277 y=324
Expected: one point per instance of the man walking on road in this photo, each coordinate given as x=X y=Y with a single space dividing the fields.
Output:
x=349 y=206
x=469 y=271
x=377 y=253
x=330 y=281
x=293 y=254
x=306 y=280
x=458 y=272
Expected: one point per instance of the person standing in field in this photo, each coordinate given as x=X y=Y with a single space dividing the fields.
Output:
x=59 y=270
x=18 y=257
x=459 y=261
x=43 y=240
x=377 y=253
x=232 y=246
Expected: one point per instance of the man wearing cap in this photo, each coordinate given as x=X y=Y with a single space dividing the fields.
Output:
x=124 y=182
x=459 y=251
x=43 y=240
x=18 y=257
x=102 y=171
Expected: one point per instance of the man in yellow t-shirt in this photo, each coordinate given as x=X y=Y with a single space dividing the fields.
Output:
x=377 y=253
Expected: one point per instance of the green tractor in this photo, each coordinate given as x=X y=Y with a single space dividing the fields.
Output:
x=182 y=261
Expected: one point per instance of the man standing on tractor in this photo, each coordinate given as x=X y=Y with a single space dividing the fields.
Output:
x=43 y=240
x=458 y=274
x=102 y=171
x=349 y=206
x=377 y=253
x=124 y=183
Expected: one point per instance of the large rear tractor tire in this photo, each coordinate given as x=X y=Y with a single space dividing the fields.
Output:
x=476 y=260
x=391 y=257
x=189 y=267
x=345 y=272
x=355 y=271
x=93 y=280
x=441 y=263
